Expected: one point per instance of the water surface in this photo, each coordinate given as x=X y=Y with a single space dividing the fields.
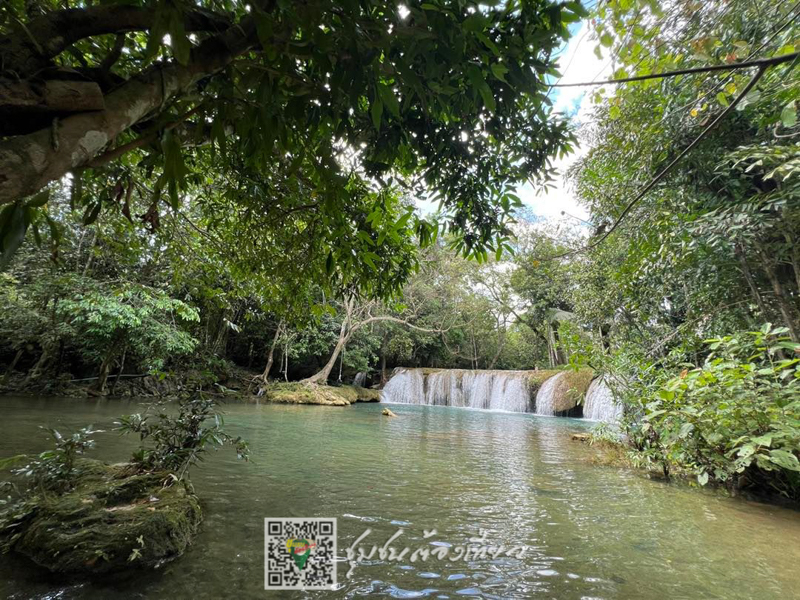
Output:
x=592 y=532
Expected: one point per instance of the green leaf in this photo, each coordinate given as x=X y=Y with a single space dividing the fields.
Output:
x=702 y=478
x=91 y=213
x=13 y=236
x=723 y=99
x=784 y=459
x=763 y=440
x=389 y=99
x=181 y=46
x=376 y=110
x=499 y=70
x=478 y=82
x=39 y=199
x=789 y=115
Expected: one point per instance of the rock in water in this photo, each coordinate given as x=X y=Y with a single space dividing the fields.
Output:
x=388 y=413
x=113 y=518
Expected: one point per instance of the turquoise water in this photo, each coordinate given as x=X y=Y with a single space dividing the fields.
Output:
x=591 y=532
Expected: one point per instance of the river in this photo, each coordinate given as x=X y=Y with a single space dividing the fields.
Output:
x=590 y=531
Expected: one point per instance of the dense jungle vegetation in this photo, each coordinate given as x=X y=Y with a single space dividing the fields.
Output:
x=245 y=206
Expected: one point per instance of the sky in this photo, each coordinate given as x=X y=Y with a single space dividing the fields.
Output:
x=577 y=62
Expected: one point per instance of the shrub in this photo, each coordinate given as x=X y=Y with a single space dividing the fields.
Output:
x=736 y=418
x=178 y=441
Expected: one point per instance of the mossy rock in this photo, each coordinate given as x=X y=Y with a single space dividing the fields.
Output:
x=537 y=378
x=571 y=389
x=326 y=395
x=113 y=519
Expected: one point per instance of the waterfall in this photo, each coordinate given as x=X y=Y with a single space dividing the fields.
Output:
x=407 y=386
x=492 y=390
x=546 y=398
x=600 y=404
x=360 y=379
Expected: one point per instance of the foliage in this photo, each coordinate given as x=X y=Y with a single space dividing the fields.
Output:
x=737 y=415
x=55 y=469
x=310 y=118
x=176 y=442
x=130 y=317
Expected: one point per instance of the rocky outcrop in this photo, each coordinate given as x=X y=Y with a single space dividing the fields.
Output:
x=112 y=518
x=326 y=395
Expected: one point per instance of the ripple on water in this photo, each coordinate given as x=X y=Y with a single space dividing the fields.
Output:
x=590 y=532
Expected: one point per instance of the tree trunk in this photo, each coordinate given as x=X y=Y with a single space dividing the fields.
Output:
x=748 y=277
x=795 y=258
x=384 y=378
x=121 y=368
x=39 y=367
x=271 y=355
x=501 y=342
x=321 y=377
x=102 y=376
x=13 y=364
x=784 y=305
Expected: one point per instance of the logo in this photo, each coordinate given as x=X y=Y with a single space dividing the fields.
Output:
x=300 y=551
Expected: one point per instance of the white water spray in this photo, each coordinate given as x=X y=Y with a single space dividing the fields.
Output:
x=546 y=397
x=492 y=390
x=600 y=404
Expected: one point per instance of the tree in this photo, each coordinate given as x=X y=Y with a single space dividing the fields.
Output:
x=131 y=318
x=447 y=94
x=357 y=315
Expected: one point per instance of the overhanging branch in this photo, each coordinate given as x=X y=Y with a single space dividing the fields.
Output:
x=30 y=48
x=29 y=162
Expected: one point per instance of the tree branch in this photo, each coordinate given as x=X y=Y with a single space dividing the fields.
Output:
x=30 y=48
x=29 y=162
x=152 y=136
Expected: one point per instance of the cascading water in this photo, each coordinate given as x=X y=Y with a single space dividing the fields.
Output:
x=546 y=397
x=360 y=379
x=492 y=390
x=600 y=404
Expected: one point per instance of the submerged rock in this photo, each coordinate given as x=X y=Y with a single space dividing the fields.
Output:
x=114 y=518
x=388 y=413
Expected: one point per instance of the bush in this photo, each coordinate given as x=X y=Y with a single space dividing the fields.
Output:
x=734 y=420
x=178 y=441
x=55 y=469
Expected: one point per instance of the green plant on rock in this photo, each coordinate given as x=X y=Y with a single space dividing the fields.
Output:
x=175 y=442
x=54 y=470
x=736 y=418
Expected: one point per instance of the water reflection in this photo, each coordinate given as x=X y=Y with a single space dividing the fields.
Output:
x=591 y=532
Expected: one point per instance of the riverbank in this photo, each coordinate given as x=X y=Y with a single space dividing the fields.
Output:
x=234 y=384
x=325 y=395
x=607 y=452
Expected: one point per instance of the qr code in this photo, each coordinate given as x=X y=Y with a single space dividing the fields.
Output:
x=299 y=554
